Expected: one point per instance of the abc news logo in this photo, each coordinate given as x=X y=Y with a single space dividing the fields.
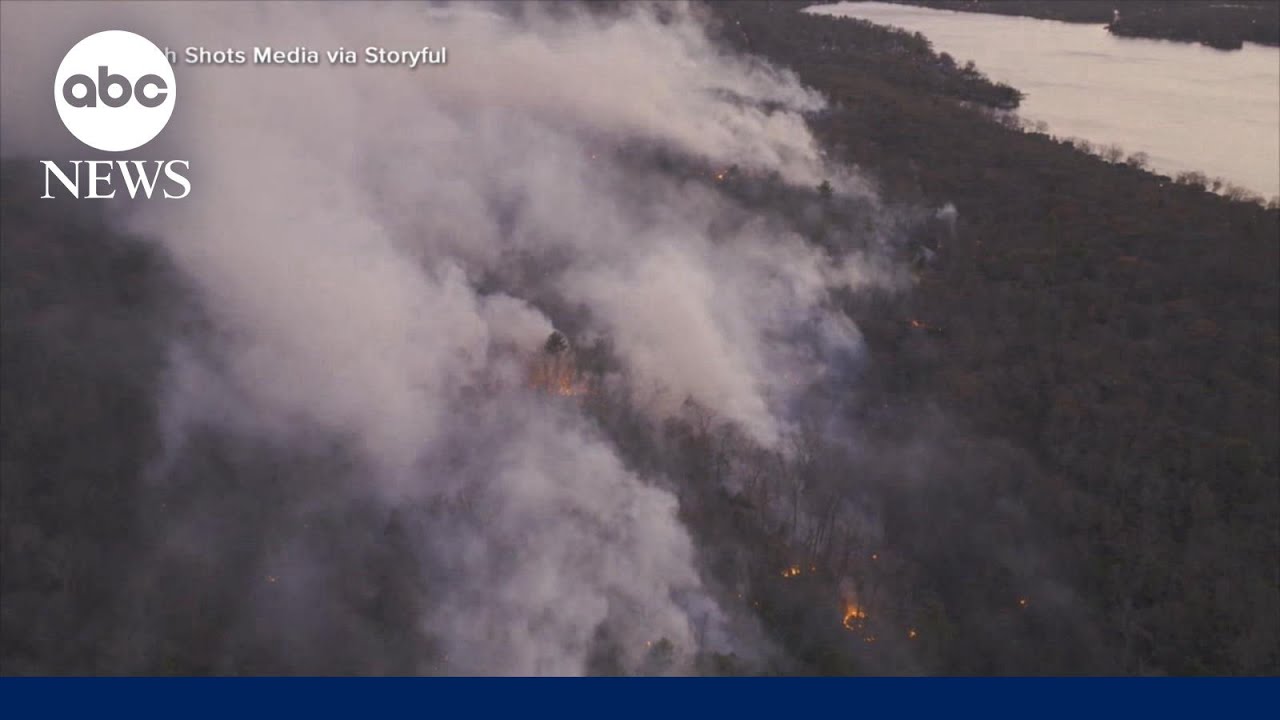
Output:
x=115 y=91
x=93 y=93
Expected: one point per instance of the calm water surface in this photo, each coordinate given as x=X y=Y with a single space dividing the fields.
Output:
x=1187 y=106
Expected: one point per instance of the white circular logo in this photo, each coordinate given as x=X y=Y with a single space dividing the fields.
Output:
x=114 y=90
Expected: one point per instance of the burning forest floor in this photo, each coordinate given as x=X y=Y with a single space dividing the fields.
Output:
x=1057 y=454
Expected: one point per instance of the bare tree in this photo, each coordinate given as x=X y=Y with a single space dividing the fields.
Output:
x=1138 y=160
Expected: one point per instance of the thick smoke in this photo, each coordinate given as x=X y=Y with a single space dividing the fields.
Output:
x=379 y=252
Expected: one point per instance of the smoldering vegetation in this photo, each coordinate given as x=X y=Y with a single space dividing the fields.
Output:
x=543 y=362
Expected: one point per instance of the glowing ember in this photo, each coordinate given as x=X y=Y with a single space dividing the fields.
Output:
x=854 y=617
x=791 y=572
x=555 y=370
x=922 y=325
x=1022 y=602
x=911 y=634
x=561 y=381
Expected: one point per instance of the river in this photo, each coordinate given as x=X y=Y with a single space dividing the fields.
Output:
x=1187 y=106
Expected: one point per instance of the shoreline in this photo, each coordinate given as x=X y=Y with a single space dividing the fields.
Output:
x=1206 y=23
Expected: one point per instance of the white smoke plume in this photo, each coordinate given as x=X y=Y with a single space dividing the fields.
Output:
x=379 y=249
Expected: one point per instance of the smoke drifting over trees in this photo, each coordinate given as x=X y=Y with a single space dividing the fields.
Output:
x=543 y=361
x=373 y=255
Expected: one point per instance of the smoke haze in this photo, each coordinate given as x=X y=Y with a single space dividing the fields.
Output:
x=377 y=253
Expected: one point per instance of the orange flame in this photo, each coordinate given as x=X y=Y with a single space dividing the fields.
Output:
x=559 y=377
x=855 y=618
x=922 y=325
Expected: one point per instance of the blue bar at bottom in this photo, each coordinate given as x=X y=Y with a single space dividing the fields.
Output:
x=1022 y=698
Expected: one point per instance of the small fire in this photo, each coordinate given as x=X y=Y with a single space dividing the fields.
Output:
x=791 y=572
x=922 y=325
x=720 y=176
x=555 y=370
x=568 y=388
x=854 y=617
x=1022 y=602
x=561 y=381
x=911 y=633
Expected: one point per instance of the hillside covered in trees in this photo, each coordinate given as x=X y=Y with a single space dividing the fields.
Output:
x=1052 y=449
x=1120 y=327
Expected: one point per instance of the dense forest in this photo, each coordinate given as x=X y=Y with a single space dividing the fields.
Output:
x=1121 y=328
x=1060 y=452
x=1222 y=25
